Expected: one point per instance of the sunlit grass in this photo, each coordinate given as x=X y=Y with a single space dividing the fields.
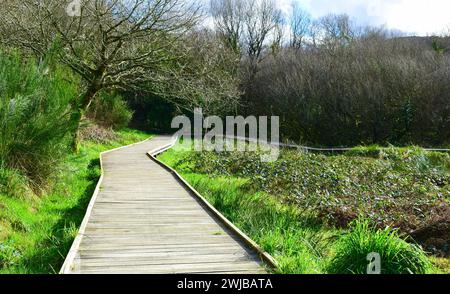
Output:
x=396 y=255
x=299 y=240
x=36 y=234
x=298 y=243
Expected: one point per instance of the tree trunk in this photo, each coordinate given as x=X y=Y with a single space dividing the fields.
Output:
x=80 y=109
x=76 y=116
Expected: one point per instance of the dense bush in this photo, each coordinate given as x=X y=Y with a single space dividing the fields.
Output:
x=34 y=116
x=110 y=110
x=396 y=255
x=402 y=188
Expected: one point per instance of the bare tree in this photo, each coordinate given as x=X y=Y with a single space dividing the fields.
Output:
x=248 y=24
x=335 y=30
x=229 y=21
x=300 y=23
x=314 y=33
x=250 y=28
x=261 y=18
x=111 y=44
x=278 y=34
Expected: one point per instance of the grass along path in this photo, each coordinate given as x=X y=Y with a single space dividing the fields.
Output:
x=299 y=240
x=36 y=233
x=298 y=243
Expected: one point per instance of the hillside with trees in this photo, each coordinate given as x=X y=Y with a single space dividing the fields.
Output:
x=334 y=83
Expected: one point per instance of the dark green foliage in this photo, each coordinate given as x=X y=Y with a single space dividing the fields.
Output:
x=288 y=228
x=34 y=116
x=396 y=255
x=404 y=188
x=151 y=113
x=110 y=110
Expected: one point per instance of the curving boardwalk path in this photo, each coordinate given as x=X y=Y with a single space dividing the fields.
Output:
x=142 y=220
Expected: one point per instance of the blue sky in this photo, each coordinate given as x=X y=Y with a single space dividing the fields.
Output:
x=420 y=17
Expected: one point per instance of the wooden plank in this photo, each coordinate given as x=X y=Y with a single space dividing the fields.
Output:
x=177 y=249
x=158 y=248
x=172 y=268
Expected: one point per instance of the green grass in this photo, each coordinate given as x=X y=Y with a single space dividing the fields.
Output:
x=301 y=240
x=298 y=243
x=396 y=255
x=36 y=233
x=442 y=265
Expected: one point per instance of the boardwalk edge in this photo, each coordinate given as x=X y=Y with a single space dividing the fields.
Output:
x=264 y=256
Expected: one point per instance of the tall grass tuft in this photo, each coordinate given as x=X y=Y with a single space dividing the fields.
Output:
x=14 y=184
x=34 y=116
x=396 y=255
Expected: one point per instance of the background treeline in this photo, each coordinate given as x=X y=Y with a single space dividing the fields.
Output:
x=335 y=83
x=374 y=90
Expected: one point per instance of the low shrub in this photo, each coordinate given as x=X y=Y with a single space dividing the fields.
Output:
x=95 y=133
x=110 y=111
x=405 y=188
x=373 y=151
x=289 y=227
x=421 y=158
x=396 y=255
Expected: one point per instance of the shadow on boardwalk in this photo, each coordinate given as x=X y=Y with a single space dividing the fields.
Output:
x=51 y=252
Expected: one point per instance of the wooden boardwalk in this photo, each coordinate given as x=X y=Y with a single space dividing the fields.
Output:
x=142 y=219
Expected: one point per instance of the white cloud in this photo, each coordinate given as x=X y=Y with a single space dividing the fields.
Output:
x=420 y=17
x=414 y=16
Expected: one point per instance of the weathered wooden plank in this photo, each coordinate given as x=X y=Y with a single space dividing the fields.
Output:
x=160 y=258
x=180 y=252
x=159 y=241
x=158 y=248
x=173 y=268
